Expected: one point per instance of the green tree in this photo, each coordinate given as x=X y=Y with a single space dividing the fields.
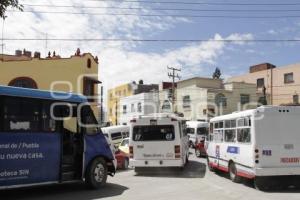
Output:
x=4 y=4
x=217 y=74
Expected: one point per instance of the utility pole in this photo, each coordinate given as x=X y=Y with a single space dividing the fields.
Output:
x=173 y=74
x=116 y=112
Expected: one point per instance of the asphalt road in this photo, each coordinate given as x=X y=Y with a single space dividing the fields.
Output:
x=195 y=182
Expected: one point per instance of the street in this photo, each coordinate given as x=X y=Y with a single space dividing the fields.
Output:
x=195 y=182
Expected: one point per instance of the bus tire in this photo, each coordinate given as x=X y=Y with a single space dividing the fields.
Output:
x=261 y=184
x=198 y=153
x=96 y=174
x=210 y=168
x=233 y=173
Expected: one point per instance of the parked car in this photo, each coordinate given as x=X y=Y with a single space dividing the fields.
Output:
x=122 y=154
x=200 y=150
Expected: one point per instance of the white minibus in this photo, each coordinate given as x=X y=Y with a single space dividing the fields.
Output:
x=261 y=144
x=196 y=129
x=158 y=140
x=116 y=133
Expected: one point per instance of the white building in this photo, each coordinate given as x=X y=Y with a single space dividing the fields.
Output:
x=136 y=105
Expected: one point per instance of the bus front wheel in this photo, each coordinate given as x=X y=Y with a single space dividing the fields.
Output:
x=233 y=173
x=96 y=175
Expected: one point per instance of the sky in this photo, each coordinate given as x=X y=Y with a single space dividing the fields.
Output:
x=123 y=61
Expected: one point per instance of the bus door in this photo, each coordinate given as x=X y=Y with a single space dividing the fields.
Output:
x=72 y=143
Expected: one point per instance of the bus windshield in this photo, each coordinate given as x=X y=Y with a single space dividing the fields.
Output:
x=202 y=131
x=154 y=133
x=190 y=130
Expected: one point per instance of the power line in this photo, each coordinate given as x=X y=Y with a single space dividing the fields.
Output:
x=199 y=3
x=162 y=9
x=159 y=15
x=150 y=40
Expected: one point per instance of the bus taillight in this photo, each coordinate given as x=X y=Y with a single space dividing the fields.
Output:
x=131 y=151
x=177 y=151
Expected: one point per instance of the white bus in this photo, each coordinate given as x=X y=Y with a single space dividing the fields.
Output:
x=196 y=129
x=158 y=141
x=261 y=144
x=116 y=134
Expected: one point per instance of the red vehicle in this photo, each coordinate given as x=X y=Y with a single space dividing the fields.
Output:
x=200 y=147
x=122 y=154
x=122 y=160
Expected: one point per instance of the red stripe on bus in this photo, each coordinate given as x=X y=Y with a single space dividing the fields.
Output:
x=239 y=173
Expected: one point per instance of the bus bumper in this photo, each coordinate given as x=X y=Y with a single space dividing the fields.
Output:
x=155 y=163
x=283 y=171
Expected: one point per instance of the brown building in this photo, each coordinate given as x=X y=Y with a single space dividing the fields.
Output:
x=281 y=83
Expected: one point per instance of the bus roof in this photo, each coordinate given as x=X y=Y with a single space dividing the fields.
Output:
x=234 y=115
x=41 y=94
x=261 y=109
x=196 y=124
x=160 y=115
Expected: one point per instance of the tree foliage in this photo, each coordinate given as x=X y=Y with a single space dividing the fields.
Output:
x=4 y=4
x=217 y=74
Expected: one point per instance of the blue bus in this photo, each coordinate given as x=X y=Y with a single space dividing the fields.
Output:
x=50 y=137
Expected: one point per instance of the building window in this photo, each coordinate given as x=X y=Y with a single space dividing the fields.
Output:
x=89 y=63
x=89 y=89
x=166 y=106
x=24 y=82
x=296 y=99
x=262 y=101
x=221 y=100
x=124 y=109
x=132 y=108
x=260 y=82
x=289 y=78
x=110 y=111
x=245 y=98
x=186 y=101
x=139 y=107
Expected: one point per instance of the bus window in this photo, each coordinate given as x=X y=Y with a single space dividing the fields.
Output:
x=230 y=135
x=241 y=122
x=227 y=124
x=221 y=124
x=116 y=136
x=47 y=123
x=233 y=123
x=218 y=136
x=21 y=114
x=202 y=131
x=154 y=133
x=216 y=125
x=243 y=135
x=190 y=130
x=88 y=121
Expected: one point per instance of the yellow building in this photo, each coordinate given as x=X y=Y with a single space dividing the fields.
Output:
x=76 y=74
x=113 y=101
x=125 y=90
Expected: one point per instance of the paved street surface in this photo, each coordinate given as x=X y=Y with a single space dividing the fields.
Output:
x=195 y=182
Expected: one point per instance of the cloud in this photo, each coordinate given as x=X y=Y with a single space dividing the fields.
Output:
x=119 y=66
x=120 y=62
